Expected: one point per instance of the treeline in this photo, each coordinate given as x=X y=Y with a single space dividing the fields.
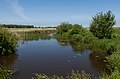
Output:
x=22 y=26
x=15 y=26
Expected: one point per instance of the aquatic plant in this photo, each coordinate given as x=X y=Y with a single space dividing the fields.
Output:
x=74 y=75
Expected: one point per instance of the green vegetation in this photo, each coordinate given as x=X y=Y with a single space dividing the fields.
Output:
x=114 y=75
x=83 y=38
x=101 y=25
x=34 y=36
x=102 y=38
x=6 y=65
x=74 y=75
x=4 y=73
x=72 y=32
x=15 y=26
x=114 y=58
x=8 y=42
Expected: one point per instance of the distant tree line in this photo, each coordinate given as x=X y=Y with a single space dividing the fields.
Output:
x=16 y=26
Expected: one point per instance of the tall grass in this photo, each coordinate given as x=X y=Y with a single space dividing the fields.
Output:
x=74 y=75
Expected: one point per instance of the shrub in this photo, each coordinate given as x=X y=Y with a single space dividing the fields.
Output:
x=114 y=60
x=101 y=25
x=114 y=75
x=8 y=42
x=75 y=30
x=62 y=28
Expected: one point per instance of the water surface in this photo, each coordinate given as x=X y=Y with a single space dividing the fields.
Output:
x=51 y=57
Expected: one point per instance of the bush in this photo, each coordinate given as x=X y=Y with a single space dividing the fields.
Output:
x=76 y=29
x=62 y=28
x=8 y=42
x=114 y=75
x=114 y=61
x=101 y=25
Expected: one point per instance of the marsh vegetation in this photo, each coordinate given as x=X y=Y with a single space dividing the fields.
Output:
x=58 y=51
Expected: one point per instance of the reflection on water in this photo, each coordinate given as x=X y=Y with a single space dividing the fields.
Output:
x=99 y=62
x=8 y=61
x=52 y=56
x=75 y=46
x=34 y=36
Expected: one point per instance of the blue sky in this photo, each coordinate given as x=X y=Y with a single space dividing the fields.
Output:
x=53 y=12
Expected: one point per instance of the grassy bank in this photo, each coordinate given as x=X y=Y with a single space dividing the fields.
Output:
x=114 y=58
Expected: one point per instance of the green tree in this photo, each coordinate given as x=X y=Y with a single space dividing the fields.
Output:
x=62 y=28
x=102 y=24
x=76 y=28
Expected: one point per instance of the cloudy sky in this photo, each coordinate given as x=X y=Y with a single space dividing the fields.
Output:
x=53 y=12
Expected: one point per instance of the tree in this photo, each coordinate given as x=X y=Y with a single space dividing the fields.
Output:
x=76 y=28
x=102 y=24
x=62 y=28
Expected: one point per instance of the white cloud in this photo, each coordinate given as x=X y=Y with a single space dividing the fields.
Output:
x=18 y=9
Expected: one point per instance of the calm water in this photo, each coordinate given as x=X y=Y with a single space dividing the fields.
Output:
x=50 y=57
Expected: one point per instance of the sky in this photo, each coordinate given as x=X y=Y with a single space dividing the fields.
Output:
x=53 y=12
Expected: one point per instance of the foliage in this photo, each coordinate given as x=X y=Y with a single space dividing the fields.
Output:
x=4 y=73
x=101 y=25
x=15 y=26
x=86 y=40
x=74 y=75
x=8 y=42
x=34 y=36
x=75 y=29
x=82 y=75
x=43 y=76
x=114 y=60
x=71 y=31
x=62 y=28
x=114 y=75
x=81 y=39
